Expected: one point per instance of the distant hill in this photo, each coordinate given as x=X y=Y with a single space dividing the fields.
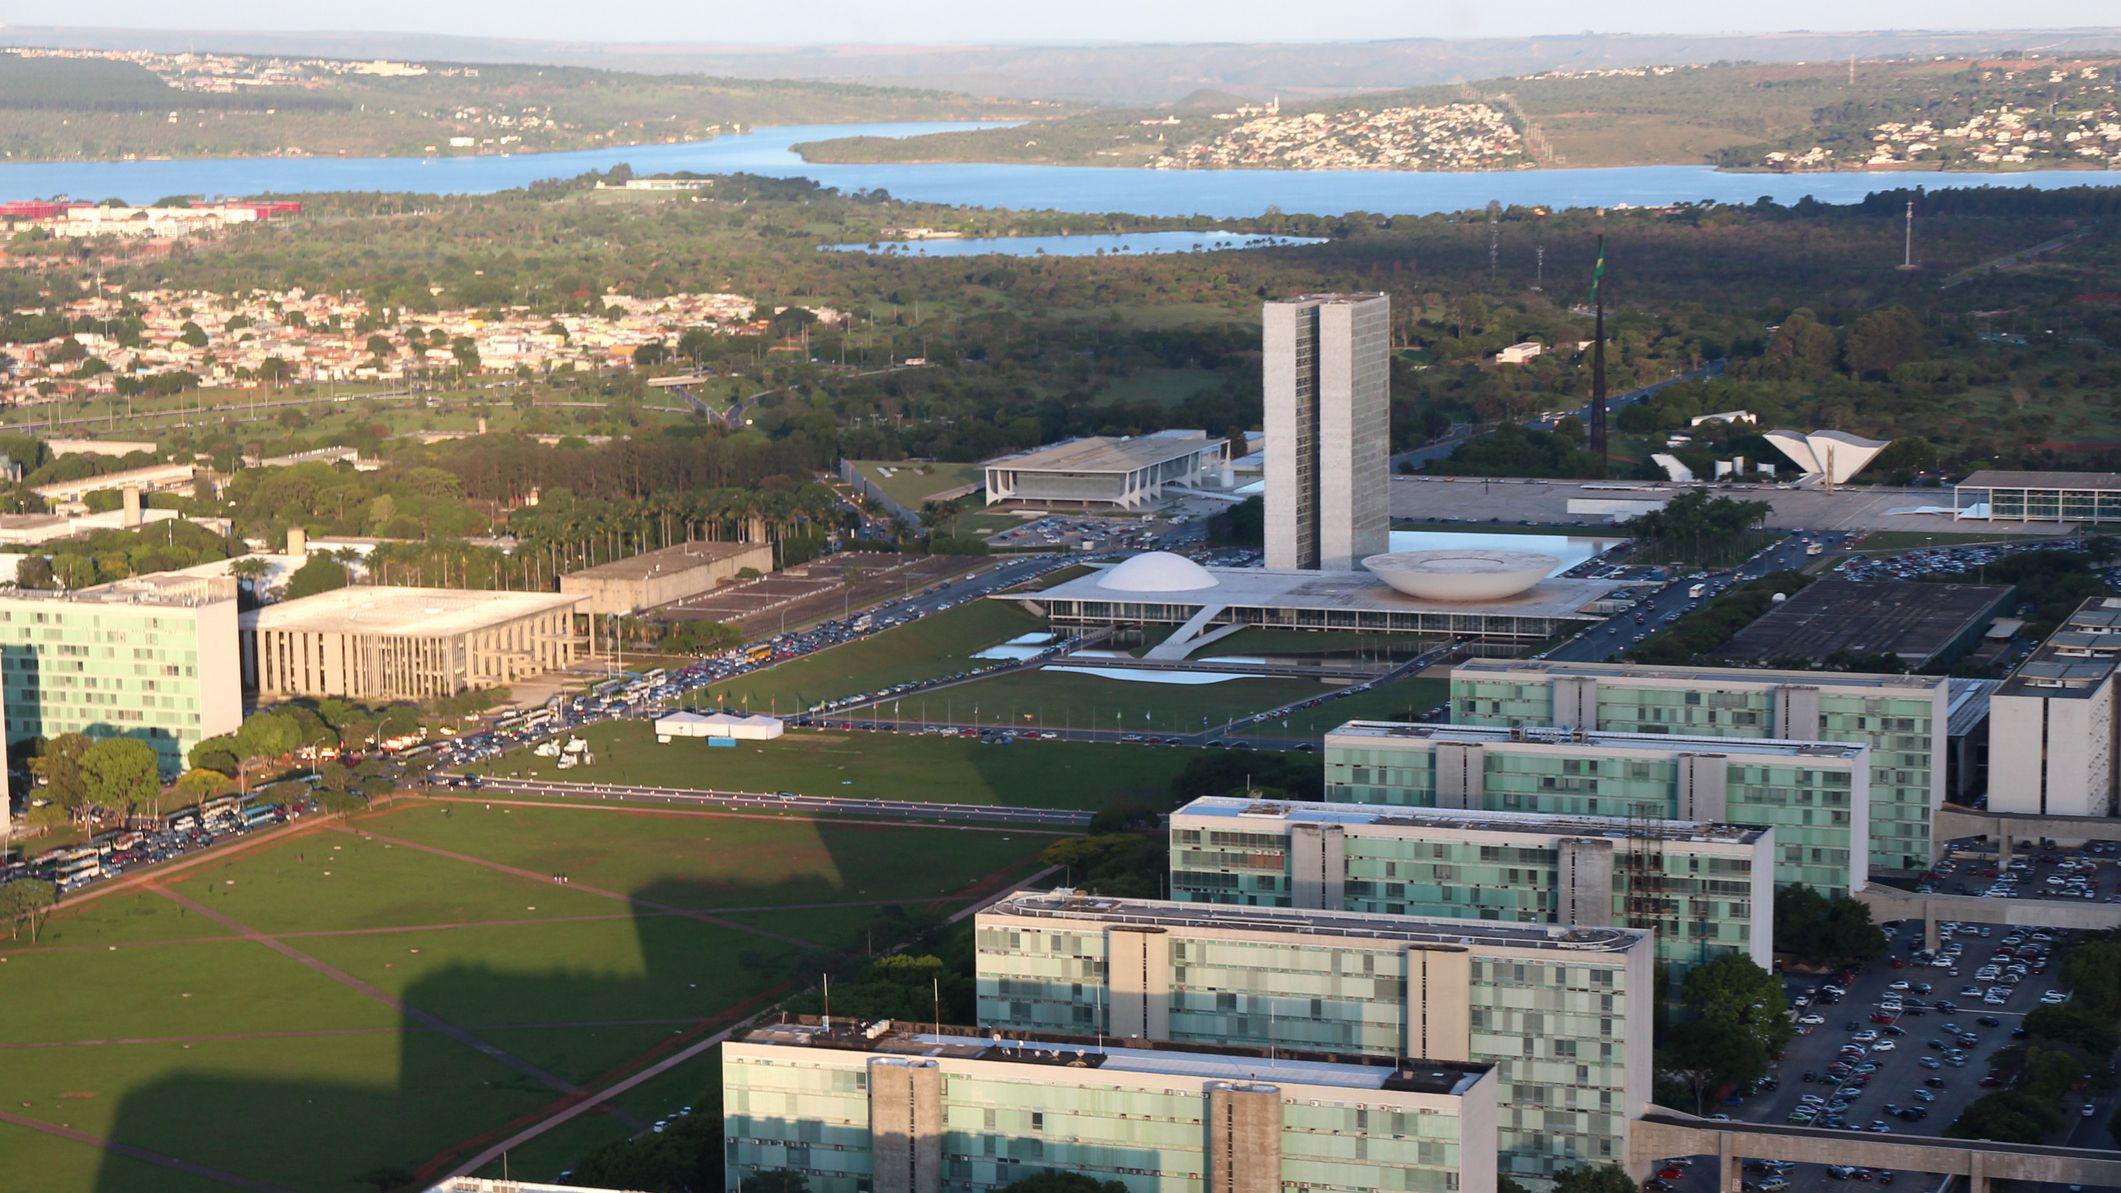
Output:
x=1118 y=73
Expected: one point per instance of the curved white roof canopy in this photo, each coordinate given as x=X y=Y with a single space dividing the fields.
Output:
x=1157 y=571
x=1834 y=455
x=1460 y=574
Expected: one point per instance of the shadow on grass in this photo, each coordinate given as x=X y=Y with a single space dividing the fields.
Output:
x=484 y=1049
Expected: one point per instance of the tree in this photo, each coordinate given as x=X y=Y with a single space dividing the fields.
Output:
x=1734 y=994
x=200 y=783
x=1817 y=930
x=59 y=765
x=1594 y=1178
x=1057 y=1182
x=220 y=754
x=1708 y=1056
x=121 y=772
x=25 y=904
x=192 y=334
x=264 y=736
x=1882 y=339
x=321 y=574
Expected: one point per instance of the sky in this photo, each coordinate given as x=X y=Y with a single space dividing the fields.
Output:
x=929 y=21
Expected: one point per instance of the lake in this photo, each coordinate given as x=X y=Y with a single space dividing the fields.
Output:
x=1131 y=244
x=1219 y=194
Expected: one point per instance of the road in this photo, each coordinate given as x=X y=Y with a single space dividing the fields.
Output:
x=753 y=800
x=1444 y=447
x=1609 y=638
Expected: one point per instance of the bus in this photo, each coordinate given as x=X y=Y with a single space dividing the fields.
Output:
x=758 y=654
x=261 y=814
x=77 y=865
x=652 y=676
x=216 y=808
x=1695 y=592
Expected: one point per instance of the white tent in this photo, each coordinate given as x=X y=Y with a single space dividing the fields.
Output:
x=743 y=727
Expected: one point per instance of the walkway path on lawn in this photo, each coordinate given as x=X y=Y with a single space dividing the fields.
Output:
x=600 y=1097
x=375 y=993
x=141 y=1154
x=546 y=880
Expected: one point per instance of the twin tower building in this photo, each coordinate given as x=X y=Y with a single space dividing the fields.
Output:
x=1328 y=388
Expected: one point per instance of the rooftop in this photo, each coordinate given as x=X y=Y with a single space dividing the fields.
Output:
x=1734 y=676
x=1999 y=479
x=1291 y=588
x=1148 y=1057
x=1365 y=815
x=1913 y=620
x=1105 y=454
x=1396 y=929
x=415 y=612
x=164 y=589
x=2076 y=659
x=669 y=559
x=1663 y=743
x=1967 y=706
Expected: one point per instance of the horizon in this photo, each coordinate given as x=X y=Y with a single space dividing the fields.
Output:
x=946 y=24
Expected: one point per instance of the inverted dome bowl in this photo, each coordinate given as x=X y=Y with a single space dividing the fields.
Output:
x=1460 y=573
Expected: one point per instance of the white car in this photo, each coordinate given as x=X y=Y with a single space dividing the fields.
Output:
x=1884 y=1046
x=1812 y=1020
x=2054 y=998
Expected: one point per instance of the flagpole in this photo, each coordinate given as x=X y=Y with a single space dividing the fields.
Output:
x=1598 y=435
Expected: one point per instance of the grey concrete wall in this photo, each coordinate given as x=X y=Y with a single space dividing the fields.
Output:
x=1138 y=983
x=905 y=1125
x=1584 y=886
x=1439 y=998
x=1318 y=866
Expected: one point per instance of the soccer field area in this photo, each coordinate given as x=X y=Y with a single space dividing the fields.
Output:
x=364 y=1006
x=869 y=765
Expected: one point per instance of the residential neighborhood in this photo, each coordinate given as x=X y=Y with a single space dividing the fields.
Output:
x=1469 y=136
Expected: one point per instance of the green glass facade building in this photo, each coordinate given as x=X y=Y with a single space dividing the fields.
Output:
x=883 y=1109
x=1904 y=719
x=1705 y=889
x=1814 y=795
x=152 y=658
x=1563 y=1014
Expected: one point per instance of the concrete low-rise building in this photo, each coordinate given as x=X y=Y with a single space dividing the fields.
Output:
x=2054 y=727
x=1904 y=719
x=2005 y=496
x=735 y=726
x=654 y=578
x=885 y=1108
x=1103 y=472
x=1705 y=889
x=152 y=658
x=1340 y=982
x=378 y=642
x=1815 y=795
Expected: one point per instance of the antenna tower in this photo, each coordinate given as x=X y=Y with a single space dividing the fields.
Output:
x=1598 y=438
x=1494 y=236
x=1907 y=254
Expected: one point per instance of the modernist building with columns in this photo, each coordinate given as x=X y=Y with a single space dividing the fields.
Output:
x=1705 y=889
x=376 y=642
x=1815 y=795
x=898 y=1108
x=1904 y=719
x=1349 y=982
x=1106 y=472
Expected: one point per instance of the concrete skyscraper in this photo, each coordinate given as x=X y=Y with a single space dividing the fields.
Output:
x=1327 y=378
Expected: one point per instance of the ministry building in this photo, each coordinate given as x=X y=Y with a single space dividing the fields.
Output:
x=1563 y=1014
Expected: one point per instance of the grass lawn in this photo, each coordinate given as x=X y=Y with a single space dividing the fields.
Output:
x=709 y=862
x=1061 y=699
x=1404 y=700
x=335 y=880
x=937 y=645
x=910 y=482
x=224 y=1052
x=873 y=766
x=1313 y=644
x=1908 y=540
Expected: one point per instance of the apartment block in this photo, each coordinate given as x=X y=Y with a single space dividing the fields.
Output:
x=152 y=658
x=1904 y=719
x=2054 y=727
x=885 y=1108
x=1563 y=1014
x=1815 y=795
x=1705 y=889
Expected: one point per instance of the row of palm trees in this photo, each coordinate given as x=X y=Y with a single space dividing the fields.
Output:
x=576 y=533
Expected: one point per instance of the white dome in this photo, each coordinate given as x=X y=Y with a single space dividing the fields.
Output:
x=1157 y=571
x=1461 y=574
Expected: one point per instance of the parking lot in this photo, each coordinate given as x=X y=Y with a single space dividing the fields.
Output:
x=1902 y=1047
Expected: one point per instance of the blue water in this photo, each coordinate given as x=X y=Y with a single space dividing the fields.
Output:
x=1567 y=550
x=1131 y=244
x=1221 y=194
